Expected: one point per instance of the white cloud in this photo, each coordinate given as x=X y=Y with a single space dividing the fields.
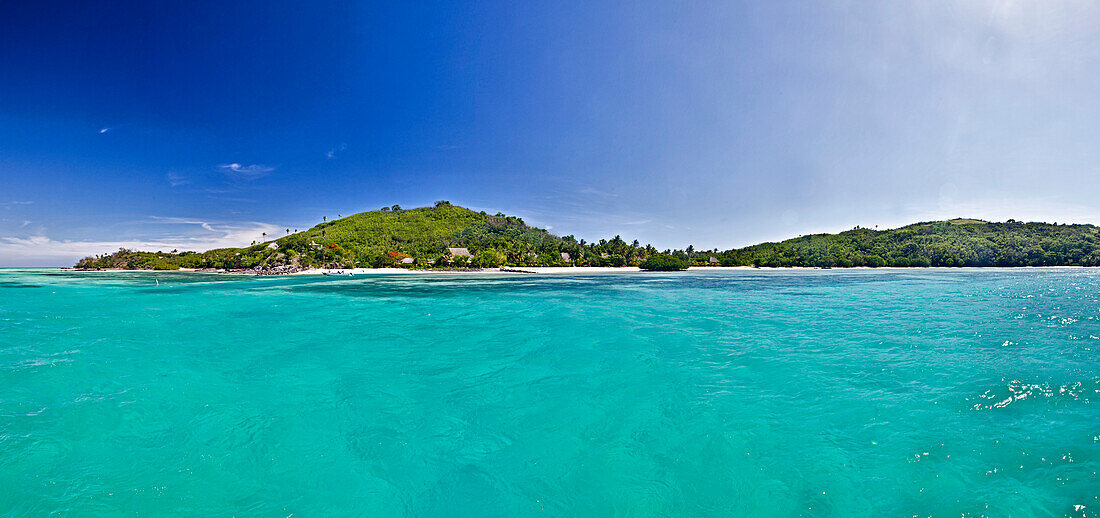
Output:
x=596 y=192
x=176 y=180
x=42 y=250
x=9 y=204
x=333 y=152
x=184 y=221
x=246 y=172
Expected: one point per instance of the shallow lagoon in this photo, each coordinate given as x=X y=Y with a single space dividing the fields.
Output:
x=748 y=393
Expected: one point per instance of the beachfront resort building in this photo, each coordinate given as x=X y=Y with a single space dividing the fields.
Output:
x=407 y=260
x=713 y=260
x=458 y=252
x=565 y=257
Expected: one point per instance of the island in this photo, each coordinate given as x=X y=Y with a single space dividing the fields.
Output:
x=449 y=237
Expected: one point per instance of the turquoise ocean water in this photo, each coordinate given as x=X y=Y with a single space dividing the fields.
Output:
x=737 y=393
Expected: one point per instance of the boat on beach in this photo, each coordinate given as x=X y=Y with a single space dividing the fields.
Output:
x=339 y=273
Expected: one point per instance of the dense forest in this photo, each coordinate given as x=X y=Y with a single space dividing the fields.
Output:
x=958 y=242
x=421 y=237
x=392 y=236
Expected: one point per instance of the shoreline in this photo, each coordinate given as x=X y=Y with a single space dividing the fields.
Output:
x=544 y=270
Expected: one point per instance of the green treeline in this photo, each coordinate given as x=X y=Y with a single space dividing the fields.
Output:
x=957 y=242
x=391 y=236
x=421 y=237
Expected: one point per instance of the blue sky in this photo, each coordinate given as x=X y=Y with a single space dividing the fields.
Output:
x=159 y=126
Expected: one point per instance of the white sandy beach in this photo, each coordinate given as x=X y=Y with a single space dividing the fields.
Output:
x=573 y=270
x=519 y=270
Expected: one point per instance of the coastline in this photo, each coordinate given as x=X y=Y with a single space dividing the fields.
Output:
x=547 y=270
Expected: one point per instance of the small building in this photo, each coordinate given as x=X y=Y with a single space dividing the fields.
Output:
x=314 y=245
x=458 y=252
x=565 y=257
x=713 y=260
x=604 y=255
x=272 y=245
x=408 y=260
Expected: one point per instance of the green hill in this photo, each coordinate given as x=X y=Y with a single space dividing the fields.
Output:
x=375 y=239
x=385 y=237
x=958 y=242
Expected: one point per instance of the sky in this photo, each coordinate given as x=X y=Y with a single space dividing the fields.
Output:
x=193 y=125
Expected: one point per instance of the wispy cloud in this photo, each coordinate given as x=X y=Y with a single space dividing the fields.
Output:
x=596 y=192
x=245 y=172
x=12 y=203
x=176 y=179
x=104 y=130
x=336 y=150
x=192 y=234
x=184 y=221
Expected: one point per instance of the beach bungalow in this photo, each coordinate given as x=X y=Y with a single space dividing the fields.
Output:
x=605 y=255
x=458 y=252
x=273 y=246
x=314 y=245
x=713 y=260
x=408 y=260
x=565 y=257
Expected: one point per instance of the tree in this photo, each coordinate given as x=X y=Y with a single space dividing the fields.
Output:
x=488 y=259
x=663 y=263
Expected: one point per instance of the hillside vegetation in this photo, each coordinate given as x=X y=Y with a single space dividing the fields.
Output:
x=381 y=238
x=959 y=242
x=386 y=237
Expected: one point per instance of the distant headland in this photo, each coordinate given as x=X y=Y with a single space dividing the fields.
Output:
x=449 y=237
